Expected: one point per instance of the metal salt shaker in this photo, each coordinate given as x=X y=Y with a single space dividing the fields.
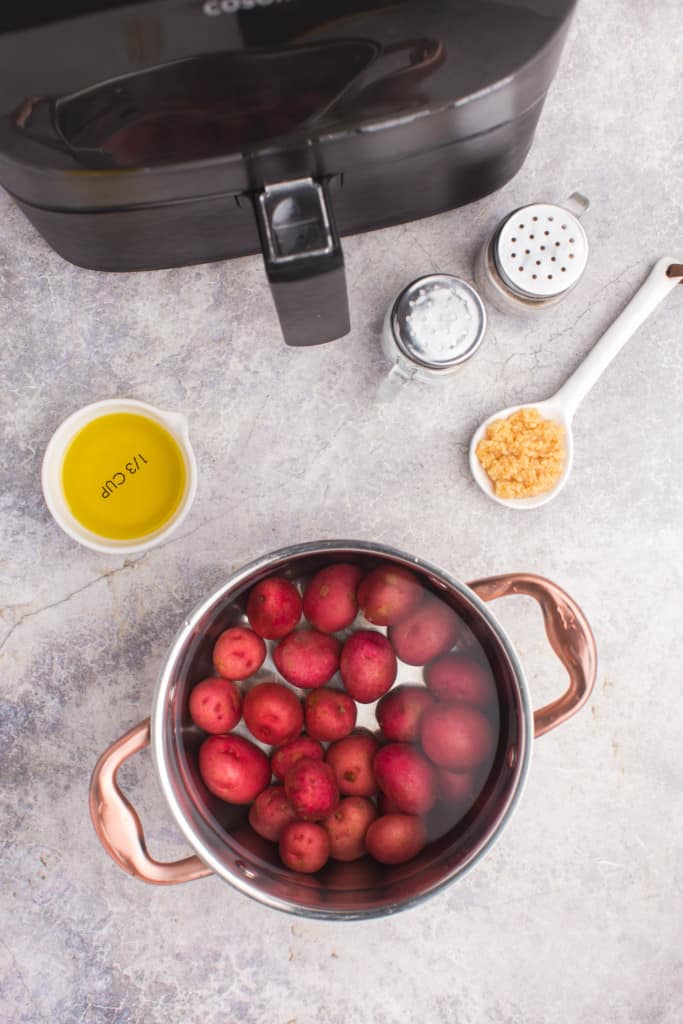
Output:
x=536 y=255
x=435 y=325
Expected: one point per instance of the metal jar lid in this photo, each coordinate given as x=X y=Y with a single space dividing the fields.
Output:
x=438 y=321
x=540 y=251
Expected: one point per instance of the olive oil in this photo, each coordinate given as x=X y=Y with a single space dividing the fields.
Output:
x=123 y=476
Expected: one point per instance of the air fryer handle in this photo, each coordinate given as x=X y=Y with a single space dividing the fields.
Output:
x=304 y=260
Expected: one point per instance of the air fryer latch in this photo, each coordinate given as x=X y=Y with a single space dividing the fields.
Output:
x=304 y=260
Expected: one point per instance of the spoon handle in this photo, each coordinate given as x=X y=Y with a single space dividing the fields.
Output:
x=656 y=286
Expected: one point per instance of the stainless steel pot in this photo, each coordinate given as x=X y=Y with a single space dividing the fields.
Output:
x=223 y=841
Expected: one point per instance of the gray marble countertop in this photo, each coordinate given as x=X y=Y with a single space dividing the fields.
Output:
x=576 y=915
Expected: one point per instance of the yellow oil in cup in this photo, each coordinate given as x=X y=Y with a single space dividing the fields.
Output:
x=123 y=476
x=119 y=475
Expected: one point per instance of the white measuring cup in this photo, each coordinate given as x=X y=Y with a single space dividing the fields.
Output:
x=51 y=474
x=561 y=406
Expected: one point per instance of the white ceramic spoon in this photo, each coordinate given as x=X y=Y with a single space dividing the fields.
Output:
x=561 y=406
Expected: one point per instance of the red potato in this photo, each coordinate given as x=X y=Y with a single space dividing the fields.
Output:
x=389 y=594
x=238 y=653
x=329 y=714
x=233 y=768
x=311 y=789
x=330 y=602
x=443 y=818
x=273 y=607
x=429 y=631
x=400 y=711
x=273 y=713
x=307 y=658
x=459 y=677
x=457 y=792
x=215 y=705
x=304 y=846
x=270 y=812
x=457 y=787
x=367 y=666
x=283 y=757
x=456 y=736
x=351 y=759
x=395 y=838
x=406 y=776
x=364 y=873
x=347 y=825
x=387 y=806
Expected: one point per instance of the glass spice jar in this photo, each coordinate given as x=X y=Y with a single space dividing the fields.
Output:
x=434 y=326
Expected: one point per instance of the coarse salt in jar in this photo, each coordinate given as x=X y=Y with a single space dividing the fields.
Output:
x=435 y=325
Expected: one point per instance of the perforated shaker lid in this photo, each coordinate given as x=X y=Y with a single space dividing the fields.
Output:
x=541 y=251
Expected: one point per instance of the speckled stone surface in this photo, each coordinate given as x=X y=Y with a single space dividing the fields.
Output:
x=576 y=915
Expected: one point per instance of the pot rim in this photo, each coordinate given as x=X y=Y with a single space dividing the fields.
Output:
x=242 y=882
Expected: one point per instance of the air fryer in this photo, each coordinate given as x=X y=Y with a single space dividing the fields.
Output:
x=165 y=133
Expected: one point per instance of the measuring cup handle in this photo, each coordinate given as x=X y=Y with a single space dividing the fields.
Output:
x=656 y=287
x=117 y=824
x=569 y=634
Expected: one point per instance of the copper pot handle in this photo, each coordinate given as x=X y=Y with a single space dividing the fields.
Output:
x=117 y=823
x=569 y=634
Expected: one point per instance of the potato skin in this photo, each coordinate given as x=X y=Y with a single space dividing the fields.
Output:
x=395 y=838
x=457 y=787
x=406 y=777
x=273 y=713
x=399 y=712
x=351 y=759
x=347 y=825
x=431 y=630
x=329 y=715
x=460 y=677
x=284 y=756
x=456 y=736
x=367 y=665
x=311 y=789
x=238 y=653
x=307 y=658
x=273 y=607
x=457 y=794
x=386 y=806
x=215 y=705
x=233 y=768
x=304 y=846
x=330 y=602
x=270 y=812
x=389 y=594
